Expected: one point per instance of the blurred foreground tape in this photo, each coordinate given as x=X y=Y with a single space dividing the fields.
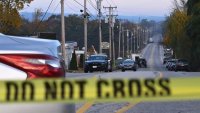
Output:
x=112 y=90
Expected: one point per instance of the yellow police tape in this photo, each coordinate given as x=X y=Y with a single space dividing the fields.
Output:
x=104 y=90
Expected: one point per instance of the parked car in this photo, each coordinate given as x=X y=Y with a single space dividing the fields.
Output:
x=166 y=59
x=167 y=63
x=129 y=64
x=119 y=62
x=98 y=63
x=182 y=65
x=28 y=58
x=170 y=64
x=142 y=62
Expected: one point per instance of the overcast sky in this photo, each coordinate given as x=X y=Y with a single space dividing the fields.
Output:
x=124 y=7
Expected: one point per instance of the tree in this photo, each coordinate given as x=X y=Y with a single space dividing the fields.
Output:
x=28 y=28
x=193 y=7
x=37 y=24
x=182 y=31
x=176 y=30
x=193 y=27
x=9 y=16
x=73 y=62
x=175 y=35
x=145 y=23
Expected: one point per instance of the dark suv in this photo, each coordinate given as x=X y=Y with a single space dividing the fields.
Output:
x=142 y=63
x=182 y=65
x=98 y=63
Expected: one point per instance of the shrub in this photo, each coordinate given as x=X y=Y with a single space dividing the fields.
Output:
x=73 y=62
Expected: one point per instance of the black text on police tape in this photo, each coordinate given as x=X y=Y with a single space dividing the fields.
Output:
x=65 y=90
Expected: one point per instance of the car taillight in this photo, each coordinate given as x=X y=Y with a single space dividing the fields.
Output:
x=35 y=65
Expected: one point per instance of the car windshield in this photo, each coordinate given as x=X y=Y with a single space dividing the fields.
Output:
x=128 y=62
x=97 y=58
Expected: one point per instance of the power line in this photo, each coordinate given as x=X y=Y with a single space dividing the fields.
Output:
x=78 y=3
x=43 y=16
x=91 y=3
x=54 y=11
x=117 y=11
x=90 y=14
x=86 y=9
x=71 y=7
x=75 y=5
x=56 y=7
x=115 y=5
x=113 y=2
x=108 y=2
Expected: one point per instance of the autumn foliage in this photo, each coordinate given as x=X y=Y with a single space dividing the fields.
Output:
x=9 y=16
x=182 y=31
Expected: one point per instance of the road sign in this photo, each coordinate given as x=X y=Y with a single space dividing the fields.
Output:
x=105 y=45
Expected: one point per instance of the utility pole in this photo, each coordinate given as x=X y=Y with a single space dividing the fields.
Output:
x=123 y=40
x=70 y=108
x=131 y=42
x=134 y=36
x=127 y=31
x=139 y=34
x=140 y=41
x=110 y=37
x=111 y=24
x=100 y=31
x=120 y=25
x=142 y=37
x=113 y=44
x=85 y=29
x=63 y=34
x=138 y=38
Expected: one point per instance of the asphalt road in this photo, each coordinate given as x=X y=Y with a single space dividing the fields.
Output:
x=153 y=53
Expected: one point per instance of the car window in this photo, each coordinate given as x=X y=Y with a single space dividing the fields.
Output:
x=97 y=58
x=128 y=62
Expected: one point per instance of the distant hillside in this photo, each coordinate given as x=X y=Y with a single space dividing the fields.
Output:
x=29 y=16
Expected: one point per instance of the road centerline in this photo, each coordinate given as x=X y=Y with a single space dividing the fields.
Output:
x=127 y=107
x=85 y=107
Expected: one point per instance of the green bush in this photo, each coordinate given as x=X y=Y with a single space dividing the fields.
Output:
x=73 y=62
